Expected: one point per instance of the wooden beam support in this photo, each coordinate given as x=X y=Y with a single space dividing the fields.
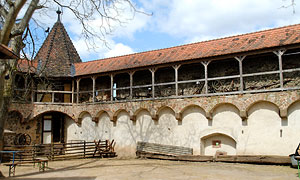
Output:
x=32 y=91
x=72 y=92
x=77 y=97
x=279 y=54
x=240 y=60
x=94 y=87
x=152 y=70
x=131 y=73
x=176 y=67
x=205 y=64
x=111 y=87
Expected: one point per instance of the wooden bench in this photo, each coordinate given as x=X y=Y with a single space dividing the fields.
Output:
x=41 y=164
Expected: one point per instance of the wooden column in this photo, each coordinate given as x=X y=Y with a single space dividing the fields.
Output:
x=32 y=91
x=176 y=67
x=52 y=94
x=72 y=91
x=77 y=83
x=111 y=87
x=240 y=60
x=279 y=54
x=152 y=70
x=131 y=73
x=205 y=64
x=94 y=84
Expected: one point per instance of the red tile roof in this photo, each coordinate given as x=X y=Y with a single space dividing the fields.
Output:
x=277 y=37
x=57 y=53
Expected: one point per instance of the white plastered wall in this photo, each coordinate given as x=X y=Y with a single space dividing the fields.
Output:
x=166 y=132
x=193 y=122
x=291 y=129
x=85 y=132
x=123 y=134
x=259 y=134
x=145 y=129
x=104 y=128
x=225 y=127
x=262 y=134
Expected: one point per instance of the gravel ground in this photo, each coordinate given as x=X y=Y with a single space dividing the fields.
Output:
x=144 y=169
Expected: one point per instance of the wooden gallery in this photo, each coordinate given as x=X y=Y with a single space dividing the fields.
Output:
x=236 y=95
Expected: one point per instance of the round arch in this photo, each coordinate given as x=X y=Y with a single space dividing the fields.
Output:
x=100 y=113
x=224 y=103
x=162 y=108
x=115 y=115
x=191 y=105
x=261 y=101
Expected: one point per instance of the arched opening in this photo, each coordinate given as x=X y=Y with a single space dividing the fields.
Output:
x=53 y=127
x=218 y=144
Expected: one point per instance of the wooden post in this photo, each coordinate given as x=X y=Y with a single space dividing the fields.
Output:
x=52 y=151
x=32 y=91
x=176 y=67
x=240 y=60
x=77 y=98
x=205 y=64
x=152 y=70
x=279 y=54
x=94 y=84
x=84 y=149
x=131 y=73
x=111 y=87
x=52 y=97
x=72 y=92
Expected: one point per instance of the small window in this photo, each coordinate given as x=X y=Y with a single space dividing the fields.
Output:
x=216 y=144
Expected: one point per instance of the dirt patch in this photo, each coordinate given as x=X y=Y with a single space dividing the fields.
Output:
x=144 y=169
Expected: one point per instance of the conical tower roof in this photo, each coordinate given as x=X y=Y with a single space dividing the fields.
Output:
x=57 y=55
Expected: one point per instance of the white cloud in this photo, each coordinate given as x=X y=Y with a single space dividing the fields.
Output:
x=202 y=19
x=118 y=50
x=191 y=20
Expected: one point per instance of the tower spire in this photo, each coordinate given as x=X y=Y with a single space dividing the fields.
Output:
x=58 y=14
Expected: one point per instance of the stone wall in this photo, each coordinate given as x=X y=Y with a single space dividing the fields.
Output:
x=264 y=123
x=15 y=125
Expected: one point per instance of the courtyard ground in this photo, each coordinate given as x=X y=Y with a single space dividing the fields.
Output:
x=144 y=169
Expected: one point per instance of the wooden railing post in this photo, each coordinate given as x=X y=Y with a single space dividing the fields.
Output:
x=52 y=151
x=84 y=149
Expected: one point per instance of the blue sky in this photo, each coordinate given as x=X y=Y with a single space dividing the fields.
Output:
x=177 y=22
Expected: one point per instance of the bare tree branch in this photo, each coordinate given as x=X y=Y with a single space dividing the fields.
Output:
x=10 y=21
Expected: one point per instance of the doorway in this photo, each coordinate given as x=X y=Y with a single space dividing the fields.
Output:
x=53 y=128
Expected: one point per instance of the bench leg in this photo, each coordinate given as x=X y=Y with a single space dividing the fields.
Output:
x=298 y=168
x=42 y=166
x=12 y=170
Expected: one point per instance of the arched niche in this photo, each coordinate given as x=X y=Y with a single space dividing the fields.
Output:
x=226 y=115
x=81 y=115
x=145 y=129
x=104 y=127
x=194 y=122
x=264 y=132
x=218 y=144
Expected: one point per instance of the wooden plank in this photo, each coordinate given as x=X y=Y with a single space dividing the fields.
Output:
x=163 y=149
x=280 y=160
x=191 y=158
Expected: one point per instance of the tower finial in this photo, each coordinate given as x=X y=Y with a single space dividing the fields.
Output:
x=58 y=14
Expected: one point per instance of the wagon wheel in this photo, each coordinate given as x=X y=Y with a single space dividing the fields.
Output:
x=16 y=140
x=22 y=139
x=215 y=86
x=25 y=139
